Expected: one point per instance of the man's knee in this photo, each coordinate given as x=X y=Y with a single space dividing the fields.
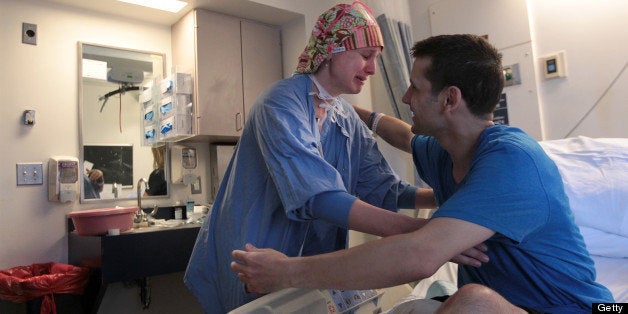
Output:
x=470 y=294
x=476 y=298
x=475 y=291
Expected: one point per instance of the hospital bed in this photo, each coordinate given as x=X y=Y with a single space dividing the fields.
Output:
x=595 y=174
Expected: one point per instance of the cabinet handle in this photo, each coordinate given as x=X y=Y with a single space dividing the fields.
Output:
x=238 y=121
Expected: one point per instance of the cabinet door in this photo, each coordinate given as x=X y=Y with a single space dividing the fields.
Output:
x=261 y=59
x=218 y=74
x=183 y=52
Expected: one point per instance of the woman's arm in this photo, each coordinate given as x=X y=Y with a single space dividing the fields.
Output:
x=367 y=218
x=394 y=131
x=425 y=199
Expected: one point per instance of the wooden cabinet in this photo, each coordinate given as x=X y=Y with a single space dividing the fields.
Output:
x=261 y=59
x=232 y=61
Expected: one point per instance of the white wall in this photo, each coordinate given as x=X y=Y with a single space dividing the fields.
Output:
x=593 y=35
x=44 y=78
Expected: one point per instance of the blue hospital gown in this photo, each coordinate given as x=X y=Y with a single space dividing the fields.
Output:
x=266 y=193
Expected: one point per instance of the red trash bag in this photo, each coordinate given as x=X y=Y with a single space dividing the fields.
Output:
x=24 y=283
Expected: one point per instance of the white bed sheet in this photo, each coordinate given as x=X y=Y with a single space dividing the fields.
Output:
x=447 y=272
x=613 y=273
x=416 y=303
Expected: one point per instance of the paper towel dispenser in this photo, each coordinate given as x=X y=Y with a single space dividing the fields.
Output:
x=63 y=175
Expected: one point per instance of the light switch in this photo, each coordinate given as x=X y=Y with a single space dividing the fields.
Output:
x=29 y=174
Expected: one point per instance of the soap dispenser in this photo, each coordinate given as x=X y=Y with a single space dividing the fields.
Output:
x=189 y=210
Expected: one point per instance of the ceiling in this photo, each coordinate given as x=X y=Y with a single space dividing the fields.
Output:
x=241 y=8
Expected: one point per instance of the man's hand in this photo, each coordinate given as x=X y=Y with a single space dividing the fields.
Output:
x=474 y=256
x=262 y=270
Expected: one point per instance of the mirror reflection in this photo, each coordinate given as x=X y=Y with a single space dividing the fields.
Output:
x=113 y=154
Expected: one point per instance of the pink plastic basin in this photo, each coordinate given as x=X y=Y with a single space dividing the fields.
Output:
x=99 y=221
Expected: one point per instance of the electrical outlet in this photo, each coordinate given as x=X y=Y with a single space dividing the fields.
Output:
x=29 y=33
x=29 y=174
x=195 y=187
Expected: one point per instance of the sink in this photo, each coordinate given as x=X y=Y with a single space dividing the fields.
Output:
x=162 y=225
x=99 y=221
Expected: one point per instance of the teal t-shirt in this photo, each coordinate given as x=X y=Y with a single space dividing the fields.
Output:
x=538 y=258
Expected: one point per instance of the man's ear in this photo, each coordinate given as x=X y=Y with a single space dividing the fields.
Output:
x=451 y=98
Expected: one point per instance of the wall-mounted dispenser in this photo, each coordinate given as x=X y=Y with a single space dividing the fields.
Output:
x=183 y=164
x=63 y=176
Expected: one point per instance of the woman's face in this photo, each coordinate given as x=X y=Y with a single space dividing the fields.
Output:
x=349 y=70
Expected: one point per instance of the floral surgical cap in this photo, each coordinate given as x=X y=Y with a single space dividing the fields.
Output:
x=341 y=28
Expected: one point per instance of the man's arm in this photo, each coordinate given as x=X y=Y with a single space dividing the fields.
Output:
x=394 y=131
x=397 y=259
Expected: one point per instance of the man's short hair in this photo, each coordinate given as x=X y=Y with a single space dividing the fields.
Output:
x=468 y=62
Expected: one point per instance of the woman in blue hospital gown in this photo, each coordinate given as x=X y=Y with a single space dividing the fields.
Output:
x=306 y=169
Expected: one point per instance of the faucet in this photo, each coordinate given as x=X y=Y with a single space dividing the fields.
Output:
x=140 y=215
x=114 y=190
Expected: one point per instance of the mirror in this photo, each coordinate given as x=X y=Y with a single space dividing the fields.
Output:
x=111 y=138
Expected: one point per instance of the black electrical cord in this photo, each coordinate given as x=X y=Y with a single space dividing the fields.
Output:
x=121 y=90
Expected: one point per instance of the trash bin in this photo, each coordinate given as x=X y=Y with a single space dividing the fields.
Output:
x=39 y=283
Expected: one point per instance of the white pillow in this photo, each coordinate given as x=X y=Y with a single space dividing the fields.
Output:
x=595 y=174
